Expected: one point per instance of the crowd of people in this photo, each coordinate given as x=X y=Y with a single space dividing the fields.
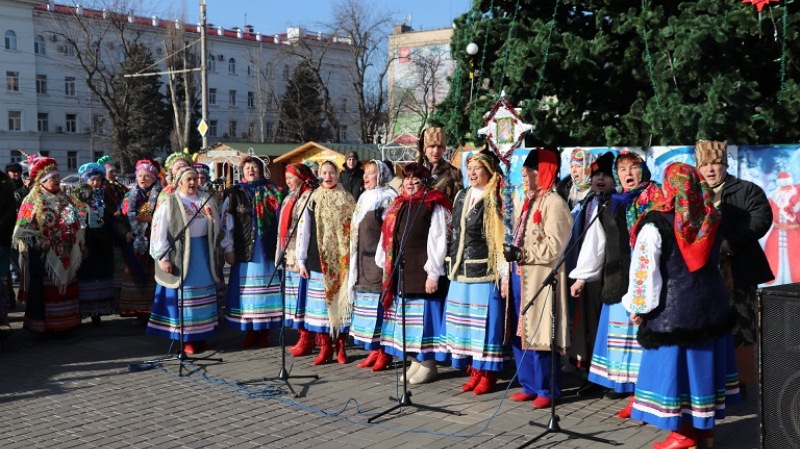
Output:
x=655 y=300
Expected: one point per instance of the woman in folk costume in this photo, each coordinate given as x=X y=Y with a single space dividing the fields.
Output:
x=421 y=215
x=605 y=254
x=117 y=191
x=542 y=233
x=174 y=162
x=49 y=237
x=138 y=282
x=323 y=257
x=475 y=309
x=677 y=297
x=96 y=275
x=301 y=181
x=366 y=277
x=250 y=229
x=580 y=172
x=185 y=271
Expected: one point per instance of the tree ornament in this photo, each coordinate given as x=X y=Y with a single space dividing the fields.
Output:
x=504 y=129
x=759 y=4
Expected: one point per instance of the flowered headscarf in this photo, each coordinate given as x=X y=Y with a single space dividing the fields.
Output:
x=585 y=159
x=286 y=222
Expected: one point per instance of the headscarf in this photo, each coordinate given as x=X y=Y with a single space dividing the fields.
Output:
x=182 y=171
x=90 y=170
x=380 y=196
x=307 y=176
x=430 y=199
x=688 y=195
x=545 y=162
x=638 y=200
x=585 y=158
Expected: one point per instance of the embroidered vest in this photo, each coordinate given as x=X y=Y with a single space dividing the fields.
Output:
x=467 y=254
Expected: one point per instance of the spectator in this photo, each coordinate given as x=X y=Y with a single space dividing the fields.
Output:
x=8 y=217
x=431 y=147
x=352 y=176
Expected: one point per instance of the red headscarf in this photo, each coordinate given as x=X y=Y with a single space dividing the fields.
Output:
x=306 y=175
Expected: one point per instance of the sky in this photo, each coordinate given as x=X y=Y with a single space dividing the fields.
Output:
x=274 y=16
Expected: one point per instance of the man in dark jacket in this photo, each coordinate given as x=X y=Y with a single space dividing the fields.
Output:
x=432 y=146
x=746 y=217
x=352 y=176
x=8 y=217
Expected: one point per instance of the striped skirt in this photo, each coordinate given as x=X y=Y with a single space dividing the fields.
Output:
x=97 y=297
x=199 y=301
x=296 y=290
x=367 y=320
x=136 y=294
x=424 y=327
x=475 y=325
x=687 y=386
x=617 y=355
x=317 y=319
x=253 y=302
x=48 y=310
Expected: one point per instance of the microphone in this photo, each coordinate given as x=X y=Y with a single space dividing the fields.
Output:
x=605 y=195
x=430 y=180
x=313 y=183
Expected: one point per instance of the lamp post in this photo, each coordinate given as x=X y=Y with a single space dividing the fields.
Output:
x=472 y=50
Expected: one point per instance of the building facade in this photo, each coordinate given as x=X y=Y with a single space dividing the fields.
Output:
x=47 y=108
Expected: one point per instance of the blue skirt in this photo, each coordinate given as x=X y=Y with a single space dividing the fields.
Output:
x=317 y=319
x=367 y=320
x=687 y=386
x=475 y=325
x=617 y=355
x=424 y=329
x=296 y=291
x=252 y=304
x=199 y=301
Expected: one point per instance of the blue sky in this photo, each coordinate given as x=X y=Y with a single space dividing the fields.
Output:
x=274 y=16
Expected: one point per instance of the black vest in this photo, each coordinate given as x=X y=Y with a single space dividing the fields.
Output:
x=313 y=262
x=416 y=250
x=370 y=276
x=240 y=206
x=618 y=254
x=468 y=251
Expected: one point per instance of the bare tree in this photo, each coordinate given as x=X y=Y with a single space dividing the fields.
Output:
x=265 y=94
x=184 y=85
x=418 y=88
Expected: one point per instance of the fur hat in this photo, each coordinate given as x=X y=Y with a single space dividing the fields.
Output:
x=432 y=136
x=711 y=152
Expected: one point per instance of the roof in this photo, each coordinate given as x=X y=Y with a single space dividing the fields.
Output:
x=365 y=151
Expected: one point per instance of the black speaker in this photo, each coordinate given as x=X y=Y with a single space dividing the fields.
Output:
x=779 y=366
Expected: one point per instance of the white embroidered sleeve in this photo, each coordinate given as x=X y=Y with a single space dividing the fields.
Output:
x=645 y=282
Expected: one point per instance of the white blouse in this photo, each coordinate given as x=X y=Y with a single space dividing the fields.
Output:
x=436 y=245
x=159 y=243
x=644 y=286
x=593 y=252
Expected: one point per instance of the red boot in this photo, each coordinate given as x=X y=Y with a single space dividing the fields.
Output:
x=370 y=360
x=625 y=413
x=325 y=349
x=488 y=381
x=384 y=361
x=305 y=345
x=474 y=378
x=249 y=340
x=341 y=354
x=685 y=438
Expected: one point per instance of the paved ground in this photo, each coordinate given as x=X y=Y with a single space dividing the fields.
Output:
x=78 y=392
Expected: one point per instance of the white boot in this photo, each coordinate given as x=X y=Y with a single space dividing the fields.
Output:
x=426 y=373
x=411 y=370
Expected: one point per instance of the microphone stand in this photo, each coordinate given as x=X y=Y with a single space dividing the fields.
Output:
x=181 y=356
x=551 y=281
x=280 y=265
x=397 y=271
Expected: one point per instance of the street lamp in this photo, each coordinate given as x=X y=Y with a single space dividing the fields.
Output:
x=472 y=50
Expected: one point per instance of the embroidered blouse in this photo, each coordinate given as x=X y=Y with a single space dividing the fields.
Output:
x=644 y=287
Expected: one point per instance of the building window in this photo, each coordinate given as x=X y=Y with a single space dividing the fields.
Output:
x=232 y=66
x=250 y=68
x=17 y=156
x=97 y=155
x=211 y=62
x=232 y=97
x=43 y=122
x=72 y=160
x=12 y=81
x=41 y=84
x=343 y=133
x=98 y=125
x=69 y=86
x=71 y=123
x=15 y=120
x=232 y=128
x=11 y=40
x=251 y=128
x=212 y=96
x=251 y=99
x=212 y=128
x=286 y=72
x=38 y=45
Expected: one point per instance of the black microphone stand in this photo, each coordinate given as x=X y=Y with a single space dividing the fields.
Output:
x=551 y=281
x=280 y=264
x=181 y=356
x=397 y=273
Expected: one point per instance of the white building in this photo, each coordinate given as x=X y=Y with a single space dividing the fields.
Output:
x=47 y=108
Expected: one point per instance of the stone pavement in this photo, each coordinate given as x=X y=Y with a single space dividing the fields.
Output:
x=77 y=391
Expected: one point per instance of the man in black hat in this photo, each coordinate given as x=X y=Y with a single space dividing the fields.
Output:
x=352 y=176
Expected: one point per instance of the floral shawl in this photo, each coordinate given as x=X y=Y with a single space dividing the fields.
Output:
x=141 y=201
x=267 y=197
x=51 y=217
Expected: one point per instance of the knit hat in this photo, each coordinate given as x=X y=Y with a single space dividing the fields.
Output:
x=711 y=152
x=108 y=162
x=353 y=155
x=90 y=170
x=14 y=166
x=182 y=170
x=604 y=164
x=148 y=166
x=43 y=168
x=202 y=169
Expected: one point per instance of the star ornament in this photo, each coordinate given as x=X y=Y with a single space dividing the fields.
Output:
x=504 y=129
x=759 y=4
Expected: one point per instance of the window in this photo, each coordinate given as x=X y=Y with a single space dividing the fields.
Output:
x=212 y=96
x=250 y=68
x=41 y=84
x=38 y=45
x=12 y=81
x=17 y=156
x=11 y=40
x=232 y=97
x=286 y=72
x=251 y=99
x=71 y=123
x=15 y=120
x=343 y=133
x=72 y=160
x=212 y=128
x=251 y=128
x=69 y=86
x=232 y=66
x=98 y=125
x=232 y=128
x=211 y=62
x=43 y=122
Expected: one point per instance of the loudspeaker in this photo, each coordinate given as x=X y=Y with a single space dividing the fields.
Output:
x=779 y=366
